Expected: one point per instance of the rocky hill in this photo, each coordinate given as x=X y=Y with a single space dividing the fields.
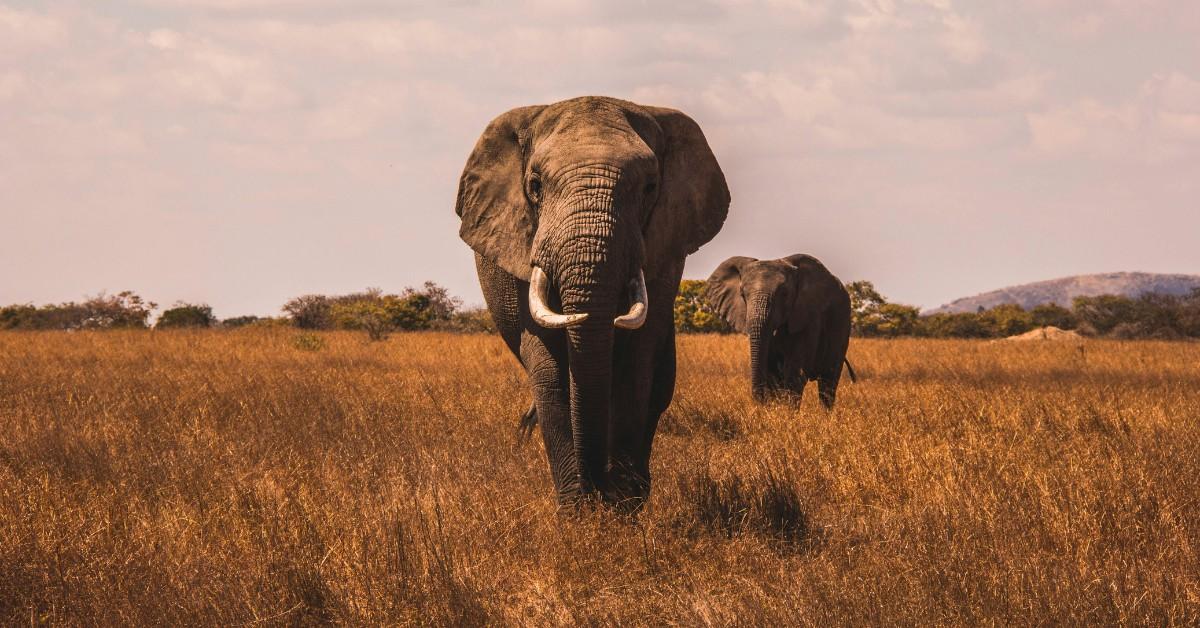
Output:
x=1062 y=291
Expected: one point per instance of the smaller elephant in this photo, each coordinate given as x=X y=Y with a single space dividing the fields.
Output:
x=797 y=315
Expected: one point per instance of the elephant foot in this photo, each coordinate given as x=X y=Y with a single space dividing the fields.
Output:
x=627 y=491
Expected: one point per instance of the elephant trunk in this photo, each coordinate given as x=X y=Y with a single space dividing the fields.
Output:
x=593 y=265
x=761 y=332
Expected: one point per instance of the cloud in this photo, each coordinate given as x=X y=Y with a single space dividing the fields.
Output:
x=313 y=123
x=1160 y=121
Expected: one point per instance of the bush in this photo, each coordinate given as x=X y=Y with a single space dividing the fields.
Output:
x=1008 y=319
x=693 y=315
x=871 y=315
x=1053 y=315
x=374 y=312
x=476 y=320
x=1103 y=313
x=186 y=315
x=369 y=315
x=123 y=310
x=19 y=317
x=240 y=321
x=311 y=311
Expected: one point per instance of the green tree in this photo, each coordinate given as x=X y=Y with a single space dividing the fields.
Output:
x=871 y=315
x=1101 y=314
x=310 y=311
x=239 y=321
x=692 y=312
x=186 y=315
x=954 y=325
x=1008 y=319
x=369 y=315
x=1053 y=315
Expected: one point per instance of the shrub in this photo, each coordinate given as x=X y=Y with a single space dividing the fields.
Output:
x=693 y=314
x=187 y=315
x=477 y=320
x=1053 y=315
x=369 y=315
x=311 y=311
x=19 y=317
x=1008 y=319
x=1103 y=313
x=375 y=312
x=872 y=315
x=953 y=325
x=240 y=321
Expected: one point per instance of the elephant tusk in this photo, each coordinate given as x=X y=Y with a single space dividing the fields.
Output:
x=636 y=317
x=541 y=313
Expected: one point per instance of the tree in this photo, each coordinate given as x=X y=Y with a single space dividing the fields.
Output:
x=1052 y=315
x=1101 y=314
x=311 y=311
x=692 y=312
x=872 y=315
x=239 y=321
x=864 y=299
x=954 y=325
x=369 y=315
x=1007 y=319
x=186 y=315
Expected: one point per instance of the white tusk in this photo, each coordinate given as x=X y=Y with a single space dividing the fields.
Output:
x=636 y=317
x=541 y=313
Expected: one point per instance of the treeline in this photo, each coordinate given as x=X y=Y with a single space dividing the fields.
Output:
x=372 y=311
x=431 y=307
x=1150 y=316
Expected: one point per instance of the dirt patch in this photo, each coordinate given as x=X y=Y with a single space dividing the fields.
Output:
x=1048 y=333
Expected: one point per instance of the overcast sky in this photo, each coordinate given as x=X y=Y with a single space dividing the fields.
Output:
x=241 y=152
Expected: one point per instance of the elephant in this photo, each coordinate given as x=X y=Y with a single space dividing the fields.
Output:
x=580 y=214
x=797 y=315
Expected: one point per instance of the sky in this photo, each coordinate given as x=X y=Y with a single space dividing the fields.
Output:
x=243 y=152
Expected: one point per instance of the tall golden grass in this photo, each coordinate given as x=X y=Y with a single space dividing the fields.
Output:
x=245 y=477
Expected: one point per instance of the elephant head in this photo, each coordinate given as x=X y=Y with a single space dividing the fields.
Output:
x=769 y=299
x=587 y=200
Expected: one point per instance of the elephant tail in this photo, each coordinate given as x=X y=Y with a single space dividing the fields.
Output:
x=528 y=422
x=850 y=369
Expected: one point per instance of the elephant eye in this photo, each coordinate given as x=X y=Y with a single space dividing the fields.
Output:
x=535 y=189
x=651 y=188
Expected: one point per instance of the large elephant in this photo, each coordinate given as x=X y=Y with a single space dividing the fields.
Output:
x=797 y=315
x=580 y=214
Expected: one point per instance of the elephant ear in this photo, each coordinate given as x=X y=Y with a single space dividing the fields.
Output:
x=693 y=198
x=496 y=220
x=724 y=291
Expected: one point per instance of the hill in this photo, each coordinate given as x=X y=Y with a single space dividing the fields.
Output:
x=1063 y=290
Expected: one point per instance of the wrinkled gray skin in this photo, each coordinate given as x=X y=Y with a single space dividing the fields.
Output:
x=797 y=315
x=591 y=190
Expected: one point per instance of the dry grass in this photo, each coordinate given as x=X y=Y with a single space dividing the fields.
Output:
x=228 y=478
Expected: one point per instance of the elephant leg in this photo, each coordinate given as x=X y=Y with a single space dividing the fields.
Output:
x=643 y=385
x=835 y=341
x=800 y=349
x=827 y=389
x=505 y=298
x=777 y=366
x=544 y=353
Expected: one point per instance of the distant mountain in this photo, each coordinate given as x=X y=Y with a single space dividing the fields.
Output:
x=1062 y=291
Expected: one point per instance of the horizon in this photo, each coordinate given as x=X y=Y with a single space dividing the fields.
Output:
x=241 y=153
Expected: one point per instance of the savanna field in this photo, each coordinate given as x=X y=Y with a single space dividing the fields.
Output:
x=266 y=476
